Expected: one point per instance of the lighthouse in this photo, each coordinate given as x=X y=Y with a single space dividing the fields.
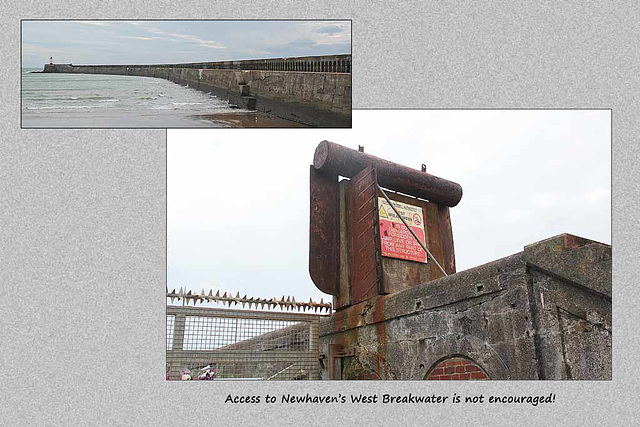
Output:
x=51 y=60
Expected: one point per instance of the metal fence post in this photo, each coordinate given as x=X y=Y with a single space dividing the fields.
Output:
x=178 y=339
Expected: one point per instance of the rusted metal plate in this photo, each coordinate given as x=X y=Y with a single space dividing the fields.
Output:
x=339 y=160
x=364 y=236
x=446 y=235
x=343 y=298
x=324 y=232
x=435 y=239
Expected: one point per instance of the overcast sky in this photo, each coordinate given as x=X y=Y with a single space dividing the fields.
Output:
x=148 y=42
x=238 y=200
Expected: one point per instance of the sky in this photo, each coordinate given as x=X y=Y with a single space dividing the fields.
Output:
x=149 y=42
x=238 y=199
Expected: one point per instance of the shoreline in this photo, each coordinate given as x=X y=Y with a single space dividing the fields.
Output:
x=250 y=119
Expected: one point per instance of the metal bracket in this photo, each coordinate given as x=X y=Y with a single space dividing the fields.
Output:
x=336 y=353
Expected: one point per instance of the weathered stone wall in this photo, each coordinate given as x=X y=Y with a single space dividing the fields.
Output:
x=320 y=99
x=544 y=313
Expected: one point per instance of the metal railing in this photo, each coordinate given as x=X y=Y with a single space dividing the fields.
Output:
x=242 y=344
x=316 y=64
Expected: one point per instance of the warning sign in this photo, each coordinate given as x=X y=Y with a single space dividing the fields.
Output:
x=396 y=240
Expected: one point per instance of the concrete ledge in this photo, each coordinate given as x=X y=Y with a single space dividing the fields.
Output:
x=580 y=261
x=471 y=284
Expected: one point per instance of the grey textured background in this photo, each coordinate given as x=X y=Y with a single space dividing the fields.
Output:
x=82 y=213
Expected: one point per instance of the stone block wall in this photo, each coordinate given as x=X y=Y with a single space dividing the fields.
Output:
x=544 y=313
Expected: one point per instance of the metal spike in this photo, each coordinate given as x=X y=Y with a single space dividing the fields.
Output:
x=218 y=293
x=321 y=301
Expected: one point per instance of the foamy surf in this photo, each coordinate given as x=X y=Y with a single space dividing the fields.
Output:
x=85 y=100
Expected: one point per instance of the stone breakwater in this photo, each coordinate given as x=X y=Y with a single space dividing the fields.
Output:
x=315 y=91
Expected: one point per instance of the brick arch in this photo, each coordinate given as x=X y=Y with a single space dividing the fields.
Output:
x=456 y=368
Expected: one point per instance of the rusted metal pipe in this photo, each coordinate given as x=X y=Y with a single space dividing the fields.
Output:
x=335 y=159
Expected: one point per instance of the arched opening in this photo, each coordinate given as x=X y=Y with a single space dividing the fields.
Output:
x=456 y=367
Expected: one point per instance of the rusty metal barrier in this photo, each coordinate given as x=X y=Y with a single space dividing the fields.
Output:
x=242 y=344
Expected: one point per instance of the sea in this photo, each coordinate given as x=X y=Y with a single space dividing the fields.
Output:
x=51 y=100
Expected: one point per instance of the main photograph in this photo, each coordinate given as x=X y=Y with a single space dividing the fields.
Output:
x=418 y=245
x=185 y=74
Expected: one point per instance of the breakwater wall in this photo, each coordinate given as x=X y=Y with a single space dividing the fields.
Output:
x=543 y=313
x=315 y=91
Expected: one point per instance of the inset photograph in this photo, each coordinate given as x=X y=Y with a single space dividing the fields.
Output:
x=186 y=74
x=419 y=245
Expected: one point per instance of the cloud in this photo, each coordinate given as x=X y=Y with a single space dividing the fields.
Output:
x=330 y=30
x=102 y=42
x=140 y=38
x=211 y=44
x=96 y=23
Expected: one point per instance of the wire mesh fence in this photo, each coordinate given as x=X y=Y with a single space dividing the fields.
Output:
x=241 y=344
